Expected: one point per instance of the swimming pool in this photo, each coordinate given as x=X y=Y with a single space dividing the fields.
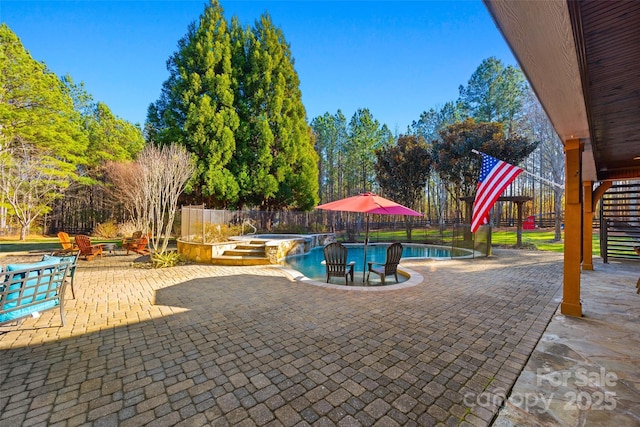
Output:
x=310 y=264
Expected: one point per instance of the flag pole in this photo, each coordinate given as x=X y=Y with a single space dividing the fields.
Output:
x=473 y=150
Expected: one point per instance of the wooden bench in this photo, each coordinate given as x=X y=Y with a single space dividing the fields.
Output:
x=28 y=289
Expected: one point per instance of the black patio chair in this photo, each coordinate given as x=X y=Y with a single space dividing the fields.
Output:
x=335 y=256
x=390 y=266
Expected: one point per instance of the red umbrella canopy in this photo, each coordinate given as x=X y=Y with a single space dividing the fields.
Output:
x=369 y=203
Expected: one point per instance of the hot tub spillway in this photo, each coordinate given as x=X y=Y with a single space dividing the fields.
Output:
x=244 y=253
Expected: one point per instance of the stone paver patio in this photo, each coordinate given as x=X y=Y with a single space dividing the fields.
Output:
x=209 y=345
x=585 y=371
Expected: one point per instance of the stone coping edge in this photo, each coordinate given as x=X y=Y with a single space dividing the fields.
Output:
x=414 y=279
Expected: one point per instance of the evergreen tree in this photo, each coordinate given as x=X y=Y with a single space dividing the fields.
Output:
x=111 y=138
x=233 y=99
x=83 y=102
x=41 y=138
x=196 y=107
x=330 y=143
x=365 y=135
x=386 y=136
x=35 y=108
x=433 y=121
x=275 y=160
x=253 y=159
x=494 y=93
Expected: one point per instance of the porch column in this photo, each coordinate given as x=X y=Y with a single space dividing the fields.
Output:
x=571 y=305
x=587 y=226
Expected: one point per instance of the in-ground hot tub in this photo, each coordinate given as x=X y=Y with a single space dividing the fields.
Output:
x=276 y=247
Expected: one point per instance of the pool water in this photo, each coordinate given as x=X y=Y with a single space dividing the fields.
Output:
x=310 y=264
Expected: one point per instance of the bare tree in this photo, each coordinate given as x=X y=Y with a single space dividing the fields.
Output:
x=125 y=187
x=165 y=172
x=553 y=161
x=29 y=182
x=550 y=152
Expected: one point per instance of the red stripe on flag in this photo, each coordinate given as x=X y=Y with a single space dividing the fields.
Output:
x=490 y=188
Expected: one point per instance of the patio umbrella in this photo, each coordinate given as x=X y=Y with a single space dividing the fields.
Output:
x=368 y=203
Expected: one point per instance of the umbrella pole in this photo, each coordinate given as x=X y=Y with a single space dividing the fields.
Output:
x=366 y=242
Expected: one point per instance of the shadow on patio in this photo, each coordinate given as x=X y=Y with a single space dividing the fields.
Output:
x=206 y=344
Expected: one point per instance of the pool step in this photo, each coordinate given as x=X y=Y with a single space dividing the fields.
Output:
x=251 y=246
x=239 y=260
x=258 y=243
x=253 y=253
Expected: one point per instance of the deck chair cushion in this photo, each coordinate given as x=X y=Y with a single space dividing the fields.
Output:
x=31 y=288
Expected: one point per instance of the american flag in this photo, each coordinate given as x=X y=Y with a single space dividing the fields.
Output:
x=495 y=177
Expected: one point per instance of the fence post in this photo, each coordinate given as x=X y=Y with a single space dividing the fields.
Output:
x=203 y=233
x=473 y=244
x=604 y=239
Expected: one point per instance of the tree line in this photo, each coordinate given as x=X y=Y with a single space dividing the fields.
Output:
x=430 y=167
x=53 y=136
x=232 y=102
x=233 y=99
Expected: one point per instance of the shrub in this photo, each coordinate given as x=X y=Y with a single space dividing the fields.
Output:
x=316 y=227
x=126 y=229
x=289 y=228
x=167 y=259
x=106 y=230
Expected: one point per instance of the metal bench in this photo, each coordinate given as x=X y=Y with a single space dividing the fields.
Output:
x=28 y=289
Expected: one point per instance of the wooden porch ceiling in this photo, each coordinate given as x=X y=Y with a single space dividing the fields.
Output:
x=582 y=58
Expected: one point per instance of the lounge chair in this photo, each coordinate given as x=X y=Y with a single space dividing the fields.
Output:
x=138 y=246
x=335 y=256
x=390 y=266
x=87 y=250
x=65 y=241
x=133 y=242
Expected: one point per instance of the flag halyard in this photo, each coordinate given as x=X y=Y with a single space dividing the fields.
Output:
x=495 y=177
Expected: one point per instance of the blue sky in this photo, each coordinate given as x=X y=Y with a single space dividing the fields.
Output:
x=395 y=58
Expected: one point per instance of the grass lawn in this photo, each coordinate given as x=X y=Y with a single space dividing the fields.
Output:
x=542 y=240
x=538 y=239
x=39 y=244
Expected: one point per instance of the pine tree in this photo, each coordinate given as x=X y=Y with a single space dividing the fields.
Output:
x=494 y=93
x=35 y=108
x=41 y=138
x=196 y=107
x=275 y=161
x=111 y=138
x=330 y=140
x=365 y=136
x=253 y=159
